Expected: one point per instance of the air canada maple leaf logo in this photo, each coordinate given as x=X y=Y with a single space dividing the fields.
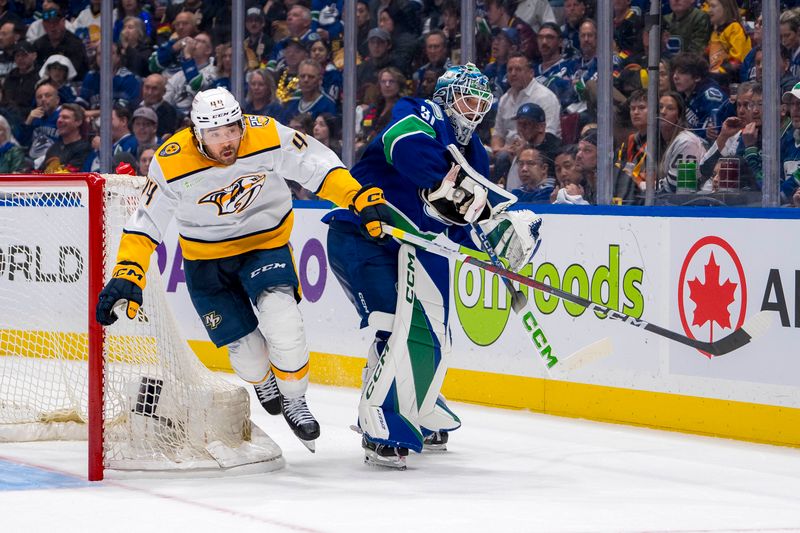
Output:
x=711 y=297
x=712 y=289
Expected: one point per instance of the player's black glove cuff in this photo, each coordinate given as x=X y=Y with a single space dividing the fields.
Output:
x=115 y=290
x=370 y=206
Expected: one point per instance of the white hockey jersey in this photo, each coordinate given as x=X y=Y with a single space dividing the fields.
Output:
x=222 y=211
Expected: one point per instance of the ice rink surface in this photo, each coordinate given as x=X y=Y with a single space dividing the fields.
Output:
x=506 y=471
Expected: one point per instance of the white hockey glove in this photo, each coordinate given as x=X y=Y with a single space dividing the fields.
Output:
x=514 y=236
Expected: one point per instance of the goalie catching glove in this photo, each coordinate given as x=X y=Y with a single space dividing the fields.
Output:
x=370 y=205
x=514 y=236
x=126 y=284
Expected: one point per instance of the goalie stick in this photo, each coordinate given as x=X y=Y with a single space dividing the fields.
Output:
x=443 y=246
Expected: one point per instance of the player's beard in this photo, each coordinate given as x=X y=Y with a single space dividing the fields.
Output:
x=227 y=153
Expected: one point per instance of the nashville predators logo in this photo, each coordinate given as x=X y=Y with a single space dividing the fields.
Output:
x=170 y=149
x=237 y=196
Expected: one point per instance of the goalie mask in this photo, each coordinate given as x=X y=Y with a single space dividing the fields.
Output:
x=464 y=94
x=211 y=111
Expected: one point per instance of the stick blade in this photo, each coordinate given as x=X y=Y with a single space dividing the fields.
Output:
x=758 y=324
x=752 y=329
x=584 y=356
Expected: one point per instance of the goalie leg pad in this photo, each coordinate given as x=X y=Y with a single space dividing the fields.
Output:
x=249 y=357
x=280 y=322
x=403 y=387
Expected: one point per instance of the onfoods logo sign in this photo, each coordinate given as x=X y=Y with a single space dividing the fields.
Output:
x=712 y=286
x=483 y=309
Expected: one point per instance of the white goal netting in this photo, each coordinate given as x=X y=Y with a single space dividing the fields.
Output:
x=162 y=409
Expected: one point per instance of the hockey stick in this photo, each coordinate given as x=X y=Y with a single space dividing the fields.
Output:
x=443 y=246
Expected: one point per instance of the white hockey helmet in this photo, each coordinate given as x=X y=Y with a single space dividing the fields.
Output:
x=213 y=108
x=465 y=95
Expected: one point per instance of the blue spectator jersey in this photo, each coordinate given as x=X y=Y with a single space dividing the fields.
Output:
x=557 y=79
x=747 y=72
x=790 y=157
x=327 y=15
x=498 y=80
x=794 y=64
x=295 y=106
x=66 y=94
x=702 y=106
x=536 y=195
x=411 y=154
x=40 y=134
x=148 y=25
x=583 y=70
x=127 y=143
x=332 y=82
x=570 y=41
x=224 y=83
x=126 y=86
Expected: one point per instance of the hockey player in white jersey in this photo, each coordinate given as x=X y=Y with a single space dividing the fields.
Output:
x=223 y=182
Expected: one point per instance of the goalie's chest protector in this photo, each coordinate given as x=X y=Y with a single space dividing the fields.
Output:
x=226 y=210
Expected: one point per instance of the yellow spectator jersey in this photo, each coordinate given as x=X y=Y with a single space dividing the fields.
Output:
x=728 y=44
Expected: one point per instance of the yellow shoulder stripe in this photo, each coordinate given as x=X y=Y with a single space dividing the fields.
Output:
x=261 y=134
x=179 y=156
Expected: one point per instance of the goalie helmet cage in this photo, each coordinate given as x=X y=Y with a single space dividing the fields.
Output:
x=135 y=390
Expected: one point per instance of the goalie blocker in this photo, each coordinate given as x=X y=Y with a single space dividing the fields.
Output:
x=464 y=196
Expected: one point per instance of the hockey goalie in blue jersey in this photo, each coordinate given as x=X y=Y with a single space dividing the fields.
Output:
x=430 y=165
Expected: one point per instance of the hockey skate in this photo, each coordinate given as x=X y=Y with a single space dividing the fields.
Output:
x=384 y=456
x=436 y=441
x=302 y=422
x=269 y=395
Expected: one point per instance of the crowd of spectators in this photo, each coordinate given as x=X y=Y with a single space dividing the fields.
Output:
x=540 y=57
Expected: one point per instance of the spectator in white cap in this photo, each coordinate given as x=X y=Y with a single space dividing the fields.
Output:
x=60 y=71
x=145 y=123
x=790 y=146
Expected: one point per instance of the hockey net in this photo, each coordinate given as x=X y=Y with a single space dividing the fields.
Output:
x=135 y=389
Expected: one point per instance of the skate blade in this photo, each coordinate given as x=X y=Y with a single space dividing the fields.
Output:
x=394 y=463
x=310 y=444
x=434 y=447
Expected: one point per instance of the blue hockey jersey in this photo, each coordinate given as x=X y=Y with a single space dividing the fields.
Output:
x=702 y=106
x=411 y=154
